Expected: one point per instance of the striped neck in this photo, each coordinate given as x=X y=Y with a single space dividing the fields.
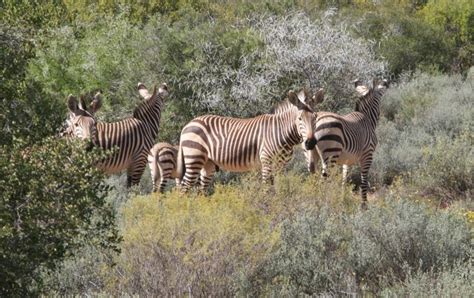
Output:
x=287 y=127
x=149 y=112
x=369 y=105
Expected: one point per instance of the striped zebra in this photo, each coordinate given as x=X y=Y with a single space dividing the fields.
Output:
x=310 y=155
x=240 y=145
x=351 y=138
x=132 y=138
x=162 y=162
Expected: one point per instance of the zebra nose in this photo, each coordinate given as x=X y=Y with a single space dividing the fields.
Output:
x=310 y=143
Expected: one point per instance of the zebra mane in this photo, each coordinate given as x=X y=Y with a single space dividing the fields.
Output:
x=282 y=107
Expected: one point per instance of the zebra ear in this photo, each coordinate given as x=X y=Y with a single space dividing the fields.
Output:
x=303 y=95
x=294 y=99
x=72 y=103
x=361 y=89
x=163 y=91
x=318 y=97
x=143 y=91
x=96 y=104
x=384 y=83
x=375 y=82
x=82 y=103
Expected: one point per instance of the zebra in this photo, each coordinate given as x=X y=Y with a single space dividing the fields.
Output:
x=162 y=162
x=351 y=138
x=131 y=137
x=310 y=155
x=240 y=145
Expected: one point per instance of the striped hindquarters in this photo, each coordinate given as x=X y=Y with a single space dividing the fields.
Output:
x=162 y=161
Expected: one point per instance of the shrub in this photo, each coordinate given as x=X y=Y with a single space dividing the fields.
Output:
x=402 y=235
x=416 y=116
x=52 y=201
x=311 y=258
x=190 y=245
x=457 y=281
x=447 y=170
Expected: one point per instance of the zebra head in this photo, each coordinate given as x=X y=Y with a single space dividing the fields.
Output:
x=369 y=98
x=82 y=123
x=306 y=117
x=162 y=91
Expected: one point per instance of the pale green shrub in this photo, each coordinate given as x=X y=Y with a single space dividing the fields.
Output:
x=402 y=235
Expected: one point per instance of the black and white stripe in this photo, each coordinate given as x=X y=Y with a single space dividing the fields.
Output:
x=351 y=139
x=162 y=162
x=131 y=138
x=240 y=145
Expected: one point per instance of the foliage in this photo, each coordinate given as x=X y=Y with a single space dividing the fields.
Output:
x=52 y=201
x=311 y=258
x=418 y=34
x=453 y=282
x=404 y=235
x=209 y=65
x=303 y=52
x=456 y=20
x=25 y=110
x=421 y=119
x=300 y=237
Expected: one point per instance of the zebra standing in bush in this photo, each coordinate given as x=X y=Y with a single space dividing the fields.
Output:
x=162 y=162
x=132 y=137
x=351 y=138
x=240 y=145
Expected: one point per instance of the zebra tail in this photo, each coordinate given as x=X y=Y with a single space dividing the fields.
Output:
x=180 y=166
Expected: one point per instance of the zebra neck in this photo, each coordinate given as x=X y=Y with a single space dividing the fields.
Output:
x=371 y=110
x=288 y=130
x=150 y=113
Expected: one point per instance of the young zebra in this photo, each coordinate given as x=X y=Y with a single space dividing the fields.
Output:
x=162 y=162
x=240 y=145
x=132 y=137
x=351 y=138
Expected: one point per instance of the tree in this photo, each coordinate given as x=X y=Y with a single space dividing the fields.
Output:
x=52 y=200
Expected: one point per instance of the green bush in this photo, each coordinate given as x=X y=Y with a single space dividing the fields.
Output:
x=52 y=201
x=447 y=170
x=419 y=117
x=311 y=258
x=457 y=281
x=403 y=235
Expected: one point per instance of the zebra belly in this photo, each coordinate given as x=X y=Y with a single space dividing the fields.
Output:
x=347 y=158
x=235 y=166
x=115 y=168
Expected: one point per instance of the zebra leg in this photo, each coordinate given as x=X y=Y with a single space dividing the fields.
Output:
x=206 y=175
x=193 y=169
x=267 y=175
x=365 y=164
x=163 y=182
x=311 y=159
x=135 y=171
x=165 y=175
x=345 y=169
x=153 y=171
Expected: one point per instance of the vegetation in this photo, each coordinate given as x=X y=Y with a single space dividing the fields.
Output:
x=66 y=230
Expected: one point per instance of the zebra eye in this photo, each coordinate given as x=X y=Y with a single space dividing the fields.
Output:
x=76 y=124
x=300 y=118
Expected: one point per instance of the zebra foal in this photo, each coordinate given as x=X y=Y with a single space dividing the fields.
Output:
x=162 y=162
x=240 y=145
x=351 y=139
x=131 y=137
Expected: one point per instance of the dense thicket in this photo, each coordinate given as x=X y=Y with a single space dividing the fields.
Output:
x=237 y=58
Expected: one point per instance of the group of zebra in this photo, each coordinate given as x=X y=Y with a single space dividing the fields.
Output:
x=210 y=142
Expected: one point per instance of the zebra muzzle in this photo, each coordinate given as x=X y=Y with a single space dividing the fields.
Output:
x=310 y=143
